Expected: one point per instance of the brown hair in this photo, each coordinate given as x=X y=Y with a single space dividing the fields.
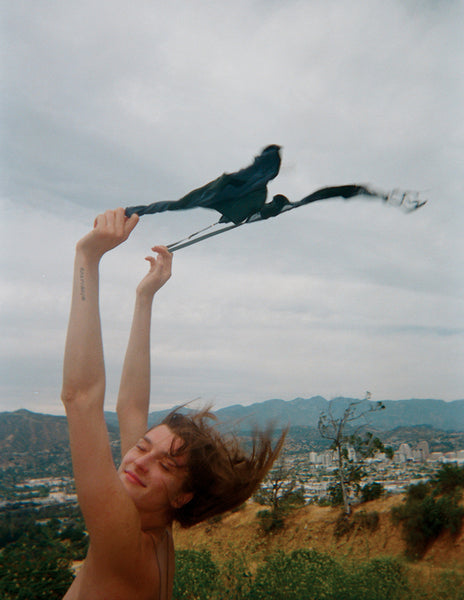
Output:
x=221 y=474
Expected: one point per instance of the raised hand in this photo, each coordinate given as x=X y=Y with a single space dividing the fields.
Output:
x=110 y=229
x=158 y=274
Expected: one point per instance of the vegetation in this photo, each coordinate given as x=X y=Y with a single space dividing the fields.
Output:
x=342 y=435
x=35 y=567
x=305 y=574
x=38 y=547
x=39 y=543
x=196 y=575
x=361 y=521
x=281 y=493
x=371 y=491
x=430 y=509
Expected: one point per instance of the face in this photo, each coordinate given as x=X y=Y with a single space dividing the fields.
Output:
x=152 y=476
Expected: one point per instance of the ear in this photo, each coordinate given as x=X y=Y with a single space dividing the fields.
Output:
x=181 y=499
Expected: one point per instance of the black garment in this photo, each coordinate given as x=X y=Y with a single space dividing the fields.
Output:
x=236 y=196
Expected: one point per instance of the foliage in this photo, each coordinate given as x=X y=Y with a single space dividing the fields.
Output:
x=270 y=520
x=389 y=452
x=340 y=431
x=196 y=575
x=382 y=578
x=281 y=493
x=449 y=479
x=362 y=520
x=35 y=568
x=300 y=575
x=335 y=494
x=307 y=574
x=77 y=538
x=279 y=487
x=311 y=575
x=371 y=491
x=13 y=525
x=62 y=523
x=430 y=509
x=236 y=578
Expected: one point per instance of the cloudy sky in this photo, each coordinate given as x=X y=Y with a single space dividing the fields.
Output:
x=115 y=102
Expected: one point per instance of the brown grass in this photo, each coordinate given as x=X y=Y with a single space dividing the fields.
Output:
x=313 y=527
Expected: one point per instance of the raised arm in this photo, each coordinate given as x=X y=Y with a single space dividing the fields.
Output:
x=134 y=390
x=103 y=501
x=83 y=371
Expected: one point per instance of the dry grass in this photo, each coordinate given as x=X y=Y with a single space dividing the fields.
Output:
x=312 y=527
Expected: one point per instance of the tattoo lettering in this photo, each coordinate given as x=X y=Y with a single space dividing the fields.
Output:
x=82 y=282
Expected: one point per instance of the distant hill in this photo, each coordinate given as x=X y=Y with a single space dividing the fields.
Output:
x=25 y=436
x=305 y=412
x=34 y=440
x=26 y=431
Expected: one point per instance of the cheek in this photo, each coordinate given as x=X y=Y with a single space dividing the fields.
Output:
x=124 y=463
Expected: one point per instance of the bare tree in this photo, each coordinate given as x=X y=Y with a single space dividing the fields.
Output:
x=340 y=431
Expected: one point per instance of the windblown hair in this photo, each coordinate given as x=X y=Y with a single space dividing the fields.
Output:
x=221 y=474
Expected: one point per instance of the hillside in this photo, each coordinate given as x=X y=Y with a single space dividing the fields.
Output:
x=305 y=412
x=313 y=527
x=37 y=441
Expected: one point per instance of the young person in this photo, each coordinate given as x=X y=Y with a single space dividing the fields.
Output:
x=183 y=469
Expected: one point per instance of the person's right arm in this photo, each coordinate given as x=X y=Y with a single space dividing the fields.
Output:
x=110 y=515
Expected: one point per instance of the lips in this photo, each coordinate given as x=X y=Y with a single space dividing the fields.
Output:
x=133 y=478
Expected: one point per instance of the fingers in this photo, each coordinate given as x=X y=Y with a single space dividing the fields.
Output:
x=162 y=250
x=165 y=257
x=159 y=272
x=115 y=222
x=151 y=260
x=129 y=223
x=161 y=265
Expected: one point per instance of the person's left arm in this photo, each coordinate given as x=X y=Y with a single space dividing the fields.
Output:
x=134 y=390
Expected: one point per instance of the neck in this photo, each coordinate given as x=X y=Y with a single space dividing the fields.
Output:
x=156 y=523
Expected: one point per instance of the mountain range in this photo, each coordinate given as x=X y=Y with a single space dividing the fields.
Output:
x=26 y=436
x=305 y=412
x=25 y=430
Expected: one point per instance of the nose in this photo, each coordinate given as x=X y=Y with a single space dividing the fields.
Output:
x=141 y=463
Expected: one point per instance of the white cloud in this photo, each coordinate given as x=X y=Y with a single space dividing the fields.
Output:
x=119 y=103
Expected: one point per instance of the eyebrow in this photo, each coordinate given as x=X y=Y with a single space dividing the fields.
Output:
x=165 y=454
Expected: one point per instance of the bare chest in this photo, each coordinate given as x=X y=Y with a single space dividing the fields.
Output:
x=152 y=580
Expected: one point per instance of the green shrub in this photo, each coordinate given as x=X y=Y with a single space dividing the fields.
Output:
x=270 y=520
x=335 y=494
x=236 y=578
x=449 y=586
x=196 y=575
x=301 y=575
x=293 y=499
x=425 y=516
x=419 y=491
x=449 y=479
x=34 y=569
x=371 y=491
x=378 y=579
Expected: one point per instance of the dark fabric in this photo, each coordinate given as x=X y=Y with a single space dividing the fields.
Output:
x=241 y=197
x=280 y=203
x=236 y=196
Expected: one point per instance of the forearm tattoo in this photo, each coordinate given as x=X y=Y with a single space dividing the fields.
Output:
x=82 y=282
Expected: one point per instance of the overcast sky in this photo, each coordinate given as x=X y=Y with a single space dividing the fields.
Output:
x=112 y=103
